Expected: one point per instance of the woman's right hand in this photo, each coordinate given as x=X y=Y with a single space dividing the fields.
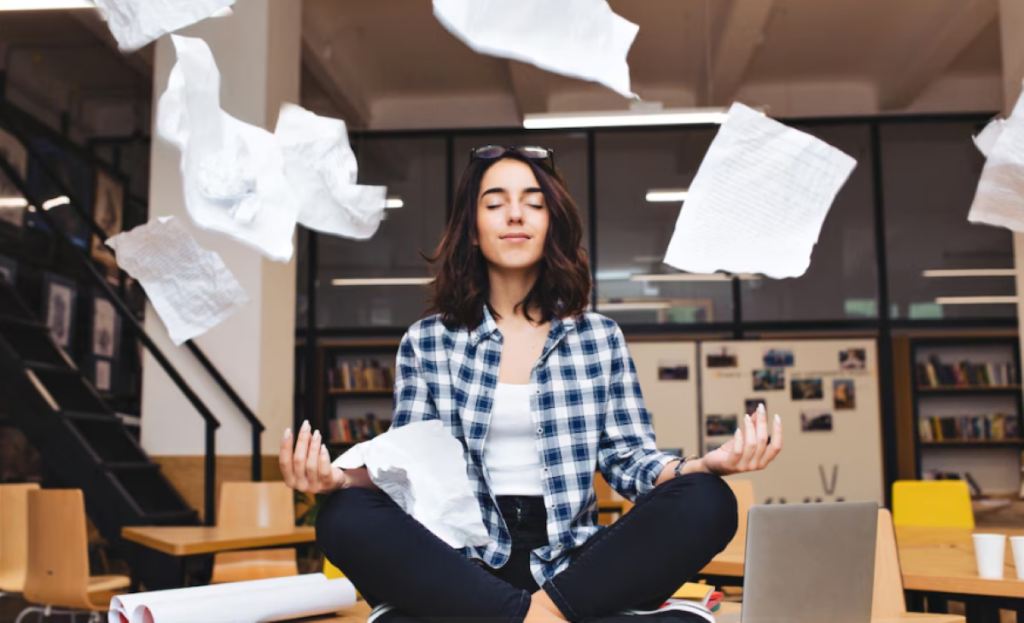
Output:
x=308 y=467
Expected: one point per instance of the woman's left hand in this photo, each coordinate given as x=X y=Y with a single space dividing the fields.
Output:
x=749 y=450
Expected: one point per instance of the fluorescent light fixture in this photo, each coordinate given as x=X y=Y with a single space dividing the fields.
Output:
x=977 y=300
x=56 y=201
x=667 y=195
x=13 y=202
x=40 y=5
x=393 y=202
x=692 y=277
x=396 y=281
x=632 y=305
x=620 y=118
x=974 y=272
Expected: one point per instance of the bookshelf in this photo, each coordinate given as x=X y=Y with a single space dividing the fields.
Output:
x=355 y=390
x=967 y=406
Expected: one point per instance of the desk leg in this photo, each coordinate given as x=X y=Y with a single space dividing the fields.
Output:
x=135 y=562
x=915 y=601
x=981 y=610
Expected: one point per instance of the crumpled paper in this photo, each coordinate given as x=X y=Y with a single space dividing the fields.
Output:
x=190 y=287
x=322 y=171
x=136 y=23
x=578 y=38
x=232 y=172
x=999 y=199
x=422 y=468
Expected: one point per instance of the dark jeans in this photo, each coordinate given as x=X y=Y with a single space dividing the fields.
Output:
x=637 y=563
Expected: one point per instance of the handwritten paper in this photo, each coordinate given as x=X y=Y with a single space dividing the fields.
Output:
x=999 y=199
x=321 y=169
x=136 y=23
x=232 y=172
x=578 y=38
x=190 y=287
x=759 y=199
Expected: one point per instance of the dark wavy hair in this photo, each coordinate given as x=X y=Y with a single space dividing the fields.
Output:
x=461 y=284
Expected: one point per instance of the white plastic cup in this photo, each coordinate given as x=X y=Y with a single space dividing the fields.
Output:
x=1017 y=543
x=990 y=550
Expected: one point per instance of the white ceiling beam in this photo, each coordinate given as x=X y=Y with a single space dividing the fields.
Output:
x=530 y=88
x=741 y=35
x=961 y=25
x=140 y=61
x=324 y=62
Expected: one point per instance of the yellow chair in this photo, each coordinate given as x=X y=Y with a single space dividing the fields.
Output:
x=58 y=558
x=14 y=536
x=932 y=504
x=331 y=571
x=251 y=505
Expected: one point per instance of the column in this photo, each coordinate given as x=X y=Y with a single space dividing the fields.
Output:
x=258 y=52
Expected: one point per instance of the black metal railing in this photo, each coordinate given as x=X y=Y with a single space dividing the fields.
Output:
x=9 y=119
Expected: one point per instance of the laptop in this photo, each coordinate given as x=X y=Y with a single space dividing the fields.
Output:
x=808 y=563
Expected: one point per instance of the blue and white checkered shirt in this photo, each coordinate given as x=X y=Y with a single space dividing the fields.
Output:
x=585 y=401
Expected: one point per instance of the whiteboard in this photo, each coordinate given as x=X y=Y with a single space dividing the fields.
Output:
x=671 y=400
x=839 y=455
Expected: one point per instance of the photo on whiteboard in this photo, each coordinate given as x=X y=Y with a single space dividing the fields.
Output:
x=750 y=405
x=720 y=425
x=853 y=359
x=724 y=357
x=778 y=358
x=844 y=394
x=673 y=371
x=816 y=422
x=769 y=379
x=806 y=389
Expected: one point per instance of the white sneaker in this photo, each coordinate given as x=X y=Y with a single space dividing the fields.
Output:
x=378 y=611
x=676 y=609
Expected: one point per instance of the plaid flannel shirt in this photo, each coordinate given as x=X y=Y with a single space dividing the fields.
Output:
x=586 y=404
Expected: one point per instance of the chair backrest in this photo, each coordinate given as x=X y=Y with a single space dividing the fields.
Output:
x=932 y=504
x=331 y=571
x=14 y=536
x=58 y=549
x=888 y=601
x=256 y=505
x=744 y=492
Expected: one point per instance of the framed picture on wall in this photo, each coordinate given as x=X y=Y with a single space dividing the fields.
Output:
x=12 y=204
x=108 y=212
x=8 y=269
x=102 y=375
x=106 y=325
x=59 y=307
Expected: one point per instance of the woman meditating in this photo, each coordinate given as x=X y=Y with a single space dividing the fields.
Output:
x=541 y=393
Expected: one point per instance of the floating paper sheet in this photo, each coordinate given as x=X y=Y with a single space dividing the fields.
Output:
x=999 y=199
x=578 y=38
x=422 y=468
x=322 y=170
x=232 y=172
x=277 y=599
x=136 y=23
x=190 y=288
x=759 y=199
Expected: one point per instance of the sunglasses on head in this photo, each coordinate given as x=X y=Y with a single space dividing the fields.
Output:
x=533 y=152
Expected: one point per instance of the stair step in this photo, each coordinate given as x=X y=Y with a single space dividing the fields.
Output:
x=85 y=415
x=36 y=366
x=10 y=302
x=150 y=490
x=109 y=440
x=70 y=391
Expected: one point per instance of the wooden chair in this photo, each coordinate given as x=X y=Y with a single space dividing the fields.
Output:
x=255 y=504
x=610 y=504
x=744 y=492
x=58 y=558
x=932 y=504
x=14 y=536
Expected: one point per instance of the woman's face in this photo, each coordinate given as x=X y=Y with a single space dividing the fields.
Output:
x=511 y=216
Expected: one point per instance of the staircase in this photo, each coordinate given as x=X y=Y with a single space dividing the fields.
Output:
x=83 y=444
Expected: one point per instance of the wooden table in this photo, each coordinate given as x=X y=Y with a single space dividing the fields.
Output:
x=177 y=544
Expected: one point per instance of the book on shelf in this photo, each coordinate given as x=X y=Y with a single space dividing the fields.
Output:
x=355 y=430
x=361 y=374
x=935 y=373
x=990 y=427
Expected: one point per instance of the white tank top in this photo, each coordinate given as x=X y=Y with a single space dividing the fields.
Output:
x=510 y=450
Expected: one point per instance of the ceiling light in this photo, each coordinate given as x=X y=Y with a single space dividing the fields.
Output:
x=39 y=5
x=693 y=277
x=667 y=195
x=976 y=300
x=632 y=305
x=56 y=201
x=973 y=272
x=397 y=281
x=393 y=202
x=13 y=202
x=679 y=116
